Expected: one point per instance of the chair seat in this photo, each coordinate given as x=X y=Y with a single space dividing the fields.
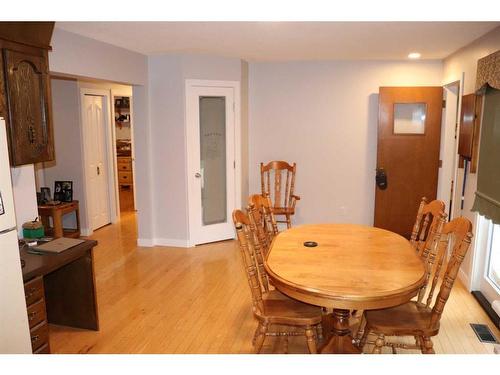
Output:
x=407 y=319
x=281 y=309
x=283 y=210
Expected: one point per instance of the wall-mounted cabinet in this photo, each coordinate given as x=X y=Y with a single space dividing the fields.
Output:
x=25 y=99
x=470 y=123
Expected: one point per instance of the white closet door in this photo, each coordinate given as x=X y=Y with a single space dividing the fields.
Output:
x=96 y=159
x=211 y=162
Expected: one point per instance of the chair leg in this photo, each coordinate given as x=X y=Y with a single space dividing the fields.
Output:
x=256 y=333
x=362 y=341
x=418 y=342
x=311 y=340
x=319 y=329
x=361 y=328
x=288 y=222
x=261 y=336
x=427 y=345
x=379 y=343
x=285 y=344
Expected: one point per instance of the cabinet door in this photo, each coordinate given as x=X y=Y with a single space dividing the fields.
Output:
x=467 y=119
x=28 y=99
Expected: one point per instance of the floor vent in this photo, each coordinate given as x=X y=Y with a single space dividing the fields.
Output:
x=484 y=333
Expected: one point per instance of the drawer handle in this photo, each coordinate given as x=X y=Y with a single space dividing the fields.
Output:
x=35 y=338
x=31 y=292
x=32 y=315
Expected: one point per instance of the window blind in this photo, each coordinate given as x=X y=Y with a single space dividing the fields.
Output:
x=487 y=200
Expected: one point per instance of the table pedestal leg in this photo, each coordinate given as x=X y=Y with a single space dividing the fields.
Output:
x=341 y=340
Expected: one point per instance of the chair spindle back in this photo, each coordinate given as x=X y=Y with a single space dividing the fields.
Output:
x=427 y=225
x=457 y=235
x=461 y=231
x=260 y=207
x=275 y=169
x=245 y=241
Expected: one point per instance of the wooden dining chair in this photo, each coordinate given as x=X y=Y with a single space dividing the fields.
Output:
x=284 y=202
x=417 y=318
x=263 y=219
x=271 y=308
x=427 y=224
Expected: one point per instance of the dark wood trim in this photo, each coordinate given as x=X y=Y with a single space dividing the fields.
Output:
x=33 y=34
x=478 y=114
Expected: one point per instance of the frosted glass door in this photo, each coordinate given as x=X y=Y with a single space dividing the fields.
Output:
x=210 y=132
x=213 y=159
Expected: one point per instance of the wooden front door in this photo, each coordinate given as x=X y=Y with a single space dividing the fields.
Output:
x=409 y=133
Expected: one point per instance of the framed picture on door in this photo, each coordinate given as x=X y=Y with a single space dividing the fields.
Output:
x=63 y=191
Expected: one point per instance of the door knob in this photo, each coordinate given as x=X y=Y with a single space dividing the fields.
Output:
x=381 y=179
x=197 y=175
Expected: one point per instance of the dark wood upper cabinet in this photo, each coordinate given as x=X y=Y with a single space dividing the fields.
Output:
x=467 y=125
x=470 y=122
x=25 y=99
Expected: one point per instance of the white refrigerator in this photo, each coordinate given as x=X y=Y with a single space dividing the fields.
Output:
x=14 y=330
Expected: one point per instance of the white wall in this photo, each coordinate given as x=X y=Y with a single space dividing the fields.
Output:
x=323 y=116
x=68 y=164
x=167 y=75
x=464 y=62
x=77 y=55
x=74 y=55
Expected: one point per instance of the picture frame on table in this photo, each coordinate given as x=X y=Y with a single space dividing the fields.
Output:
x=45 y=195
x=63 y=191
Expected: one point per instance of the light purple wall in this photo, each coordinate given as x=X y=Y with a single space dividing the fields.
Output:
x=323 y=116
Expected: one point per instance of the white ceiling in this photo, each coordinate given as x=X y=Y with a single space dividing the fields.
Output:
x=275 y=41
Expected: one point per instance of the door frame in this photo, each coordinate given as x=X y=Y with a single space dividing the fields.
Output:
x=114 y=93
x=449 y=147
x=111 y=159
x=235 y=85
x=479 y=270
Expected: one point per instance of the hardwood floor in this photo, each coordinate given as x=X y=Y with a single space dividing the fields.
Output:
x=175 y=300
x=126 y=195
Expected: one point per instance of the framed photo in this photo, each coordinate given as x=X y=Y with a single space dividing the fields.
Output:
x=45 y=195
x=63 y=191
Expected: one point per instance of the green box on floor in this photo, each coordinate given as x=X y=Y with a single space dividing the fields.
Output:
x=33 y=229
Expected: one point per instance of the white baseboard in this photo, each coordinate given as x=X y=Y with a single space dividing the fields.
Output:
x=172 y=242
x=465 y=279
x=145 y=242
x=86 y=232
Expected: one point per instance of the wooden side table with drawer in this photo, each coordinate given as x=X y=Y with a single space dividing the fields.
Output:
x=125 y=172
x=57 y=212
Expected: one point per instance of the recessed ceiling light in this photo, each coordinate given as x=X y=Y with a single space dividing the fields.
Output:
x=414 y=55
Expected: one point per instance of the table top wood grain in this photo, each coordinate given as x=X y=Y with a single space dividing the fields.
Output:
x=353 y=266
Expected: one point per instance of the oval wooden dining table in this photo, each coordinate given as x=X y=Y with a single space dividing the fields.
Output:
x=352 y=267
